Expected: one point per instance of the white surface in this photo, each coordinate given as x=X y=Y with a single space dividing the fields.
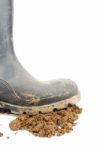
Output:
x=60 y=39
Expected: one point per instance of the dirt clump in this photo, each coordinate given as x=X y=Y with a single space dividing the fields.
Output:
x=1 y=134
x=54 y=123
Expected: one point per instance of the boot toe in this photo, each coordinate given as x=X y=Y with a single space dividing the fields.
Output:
x=59 y=90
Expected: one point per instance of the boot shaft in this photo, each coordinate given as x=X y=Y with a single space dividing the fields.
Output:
x=6 y=21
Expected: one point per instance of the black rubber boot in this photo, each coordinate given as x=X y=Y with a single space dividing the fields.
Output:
x=19 y=91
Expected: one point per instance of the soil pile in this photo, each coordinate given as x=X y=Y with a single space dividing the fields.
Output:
x=54 y=123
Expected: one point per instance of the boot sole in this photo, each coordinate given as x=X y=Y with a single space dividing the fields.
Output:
x=15 y=109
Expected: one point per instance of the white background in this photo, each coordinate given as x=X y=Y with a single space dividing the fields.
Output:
x=60 y=39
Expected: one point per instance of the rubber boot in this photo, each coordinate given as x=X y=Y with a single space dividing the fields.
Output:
x=19 y=91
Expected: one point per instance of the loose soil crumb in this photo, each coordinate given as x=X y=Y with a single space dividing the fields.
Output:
x=16 y=133
x=1 y=134
x=7 y=137
x=54 y=123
